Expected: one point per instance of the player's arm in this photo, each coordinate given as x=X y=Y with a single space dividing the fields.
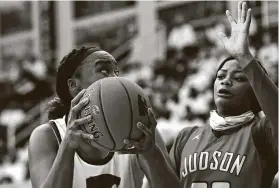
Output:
x=238 y=46
x=162 y=140
x=158 y=170
x=148 y=169
x=267 y=147
x=153 y=158
x=51 y=166
x=265 y=91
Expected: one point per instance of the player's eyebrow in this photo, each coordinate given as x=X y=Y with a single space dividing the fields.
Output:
x=103 y=61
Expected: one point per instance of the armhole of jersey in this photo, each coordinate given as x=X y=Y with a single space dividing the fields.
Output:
x=56 y=132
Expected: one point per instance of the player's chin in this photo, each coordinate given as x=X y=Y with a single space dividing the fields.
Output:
x=224 y=102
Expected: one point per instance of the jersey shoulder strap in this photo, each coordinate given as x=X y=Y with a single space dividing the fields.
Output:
x=55 y=131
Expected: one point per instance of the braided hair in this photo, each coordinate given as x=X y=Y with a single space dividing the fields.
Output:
x=60 y=105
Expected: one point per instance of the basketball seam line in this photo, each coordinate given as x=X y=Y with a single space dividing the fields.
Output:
x=131 y=109
x=102 y=110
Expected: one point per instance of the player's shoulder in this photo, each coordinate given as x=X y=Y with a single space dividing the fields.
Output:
x=260 y=124
x=186 y=132
x=42 y=133
x=43 y=129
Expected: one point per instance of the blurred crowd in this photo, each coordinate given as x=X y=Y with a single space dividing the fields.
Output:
x=179 y=86
x=25 y=83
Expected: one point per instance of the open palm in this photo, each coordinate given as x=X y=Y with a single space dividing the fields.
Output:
x=238 y=45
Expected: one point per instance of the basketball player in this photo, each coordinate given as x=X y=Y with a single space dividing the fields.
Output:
x=238 y=149
x=59 y=152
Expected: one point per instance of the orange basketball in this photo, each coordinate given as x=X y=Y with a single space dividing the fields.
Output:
x=117 y=105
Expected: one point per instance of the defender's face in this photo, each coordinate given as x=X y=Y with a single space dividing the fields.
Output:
x=232 y=90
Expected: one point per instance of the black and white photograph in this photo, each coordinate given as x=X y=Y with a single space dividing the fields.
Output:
x=139 y=94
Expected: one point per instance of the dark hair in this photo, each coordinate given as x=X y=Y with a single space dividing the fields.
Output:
x=255 y=104
x=60 y=105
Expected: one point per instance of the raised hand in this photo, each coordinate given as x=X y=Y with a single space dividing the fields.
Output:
x=238 y=44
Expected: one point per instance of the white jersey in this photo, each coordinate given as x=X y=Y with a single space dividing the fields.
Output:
x=121 y=171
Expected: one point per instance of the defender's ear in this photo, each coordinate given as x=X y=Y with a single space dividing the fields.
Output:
x=72 y=83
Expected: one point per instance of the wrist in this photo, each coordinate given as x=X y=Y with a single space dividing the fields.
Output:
x=245 y=59
x=151 y=153
x=68 y=146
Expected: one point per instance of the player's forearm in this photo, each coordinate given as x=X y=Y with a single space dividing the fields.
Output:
x=61 y=173
x=265 y=91
x=157 y=170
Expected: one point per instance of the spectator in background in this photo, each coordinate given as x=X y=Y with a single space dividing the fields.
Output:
x=34 y=83
x=268 y=54
x=182 y=34
x=35 y=67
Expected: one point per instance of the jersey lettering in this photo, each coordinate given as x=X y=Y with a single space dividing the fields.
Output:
x=226 y=162
x=213 y=161
x=193 y=165
x=238 y=165
x=214 y=165
x=203 y=161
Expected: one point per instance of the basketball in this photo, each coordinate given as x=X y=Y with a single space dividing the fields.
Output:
x=117 y=105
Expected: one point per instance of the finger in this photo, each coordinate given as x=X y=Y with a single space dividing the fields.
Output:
x=130 y=151
x=243 y=12
x=223 y=38
x=134 y=143
x=248 y=19
x=129 y=146
x=81 y=121
x=230 y=18
x=152 y=117
x=239 y=11
x=77 y=98
x=87 y=136
x=77 y=108
x=144 y=129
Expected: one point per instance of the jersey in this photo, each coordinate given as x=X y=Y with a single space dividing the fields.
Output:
x=245 y=157
x=115 y=171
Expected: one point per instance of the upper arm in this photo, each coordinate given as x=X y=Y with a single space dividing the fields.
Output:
x=265 y=142
x=266 y=92
x=160 y=142
x=267 y=130
x=42 y=150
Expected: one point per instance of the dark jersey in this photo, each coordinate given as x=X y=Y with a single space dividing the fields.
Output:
x=245 y=157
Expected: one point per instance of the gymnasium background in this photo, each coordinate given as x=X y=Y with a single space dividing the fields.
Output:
x=170 y=48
